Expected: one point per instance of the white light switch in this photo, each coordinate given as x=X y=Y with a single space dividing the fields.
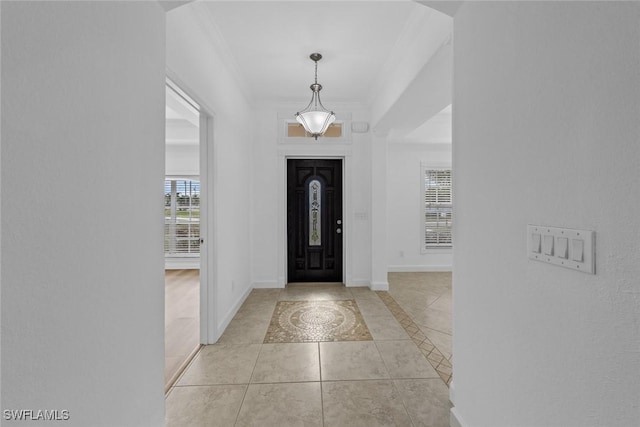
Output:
x=547 y=244
x=577 y=249
x=562 y=245
x=535 y=243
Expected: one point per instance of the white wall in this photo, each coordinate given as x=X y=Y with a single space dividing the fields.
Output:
x=201 y=68
x=1 y=137
x=83 y=119
x=405 y=206
x=546 y=117
x=264 y=203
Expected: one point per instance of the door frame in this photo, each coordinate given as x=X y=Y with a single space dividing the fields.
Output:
x=209 y=332
x=315 y=152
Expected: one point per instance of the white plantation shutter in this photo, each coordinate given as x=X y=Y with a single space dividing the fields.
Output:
x=181 y=217
x=438 y=208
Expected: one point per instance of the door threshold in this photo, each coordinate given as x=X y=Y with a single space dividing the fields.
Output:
x=314 y=285
x=174 y=378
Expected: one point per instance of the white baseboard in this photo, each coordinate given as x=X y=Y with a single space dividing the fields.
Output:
x=455 y=420
x=379 y=286
x=268 y=284
x=419 y=268
x=232 y=312
x=452 y=393
x=357 y=283
x=178 y=263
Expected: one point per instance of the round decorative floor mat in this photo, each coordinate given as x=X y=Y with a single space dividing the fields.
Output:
x=312 y=321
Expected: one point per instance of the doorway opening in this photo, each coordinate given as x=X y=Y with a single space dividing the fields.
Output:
x=182 y=231
x=314 y=221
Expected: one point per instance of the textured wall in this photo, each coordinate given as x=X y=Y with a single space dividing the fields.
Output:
x=546 y=108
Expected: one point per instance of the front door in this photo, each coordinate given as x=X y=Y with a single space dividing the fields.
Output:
x=314 y=220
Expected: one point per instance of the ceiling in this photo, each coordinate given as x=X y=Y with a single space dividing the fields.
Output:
x=182 y=120
x=269 y=42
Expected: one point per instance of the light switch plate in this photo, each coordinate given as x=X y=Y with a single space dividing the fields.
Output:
x=564 y=258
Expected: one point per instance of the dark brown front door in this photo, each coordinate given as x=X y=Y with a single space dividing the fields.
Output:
x=314 y=220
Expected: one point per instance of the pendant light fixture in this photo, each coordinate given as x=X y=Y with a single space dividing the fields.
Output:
x=315 y=118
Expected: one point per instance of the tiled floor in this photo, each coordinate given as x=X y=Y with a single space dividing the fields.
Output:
x=397 y=379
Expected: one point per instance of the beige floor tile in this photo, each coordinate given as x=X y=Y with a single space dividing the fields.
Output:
x=433 y=319
x=412 y=296
x=245 y=330
x=442 y=304
x=319 y=293
x=385 y=328
x=282 y=405
x=373 y=307
x=264 y=295
x=363 y=404
x=427 y=401
x=255 y=311
x=441 y=340
x=222 y=364
x=351 y=360
x=404 y=360
x=197 y=406
x=363 y=292
x=290 y=362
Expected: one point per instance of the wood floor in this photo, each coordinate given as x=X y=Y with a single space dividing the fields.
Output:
x=182 y=320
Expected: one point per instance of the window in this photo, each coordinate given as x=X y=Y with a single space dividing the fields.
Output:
x=181 y=217
x=438 y=208
x=292 y=132
x=295 y=130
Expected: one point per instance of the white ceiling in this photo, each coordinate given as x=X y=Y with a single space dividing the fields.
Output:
x=269 y=42
x=182 y=120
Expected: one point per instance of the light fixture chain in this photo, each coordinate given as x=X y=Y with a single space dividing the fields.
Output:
x=316 y=71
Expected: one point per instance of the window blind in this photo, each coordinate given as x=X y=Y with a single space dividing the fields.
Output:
x=438 y=208
x=181 y=217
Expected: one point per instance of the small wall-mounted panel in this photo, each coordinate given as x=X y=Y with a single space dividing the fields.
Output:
x=565 y=247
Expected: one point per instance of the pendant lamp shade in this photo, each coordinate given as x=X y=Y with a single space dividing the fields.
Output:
x=315 y=118
x=316 y=122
